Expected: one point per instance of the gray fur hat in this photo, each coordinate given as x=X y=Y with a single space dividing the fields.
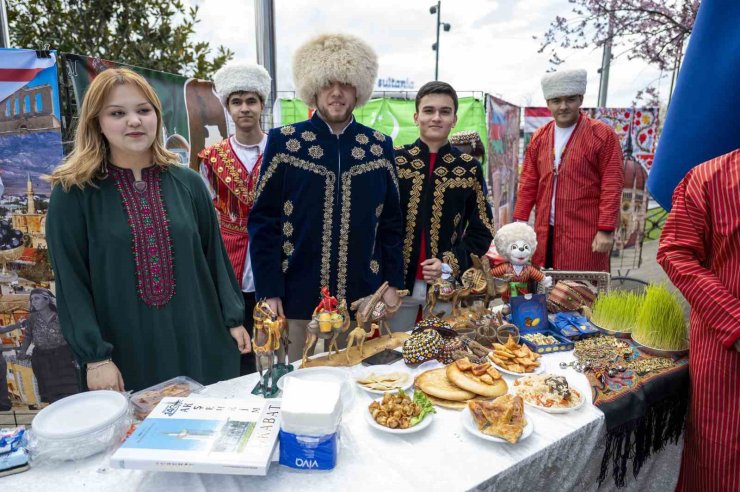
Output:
x=564 y=83
x=241 y=77
x=334 y=58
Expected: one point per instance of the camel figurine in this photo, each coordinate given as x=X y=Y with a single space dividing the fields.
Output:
x=337 y=326
x=359 y=334
x=372 y=308
x=271 y=341
x=439 y=290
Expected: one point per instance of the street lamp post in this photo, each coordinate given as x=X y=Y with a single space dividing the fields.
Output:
x=437 y=9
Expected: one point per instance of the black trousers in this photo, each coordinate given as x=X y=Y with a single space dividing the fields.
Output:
x=247 y=360
x=550 y=240
x=4 y=396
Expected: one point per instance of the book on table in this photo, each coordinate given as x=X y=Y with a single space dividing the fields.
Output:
x=204 y=435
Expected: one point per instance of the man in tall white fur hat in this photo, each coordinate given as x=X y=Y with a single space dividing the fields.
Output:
x=573 y=178
x=231 y=169
x=327 y=210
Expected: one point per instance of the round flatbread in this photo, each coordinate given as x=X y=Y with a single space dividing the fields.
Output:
x=453 y=405
x=467 y=381
x=436 y=384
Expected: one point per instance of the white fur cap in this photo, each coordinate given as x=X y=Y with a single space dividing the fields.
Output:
x=564 y=83
x=334 y=58
x=510 y=233
x=241 y=77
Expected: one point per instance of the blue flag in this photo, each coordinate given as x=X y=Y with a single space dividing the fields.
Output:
x=703 y=118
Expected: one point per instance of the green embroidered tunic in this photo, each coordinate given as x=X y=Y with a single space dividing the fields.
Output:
x=142 y=276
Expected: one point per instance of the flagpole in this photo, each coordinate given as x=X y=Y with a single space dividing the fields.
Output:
x=4 y=36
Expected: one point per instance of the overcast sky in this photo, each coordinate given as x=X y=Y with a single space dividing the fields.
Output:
x=490 y=47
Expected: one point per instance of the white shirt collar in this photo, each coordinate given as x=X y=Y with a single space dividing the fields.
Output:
x=259 y=146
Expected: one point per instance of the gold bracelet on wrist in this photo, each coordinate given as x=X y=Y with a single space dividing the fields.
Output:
x=96 y=365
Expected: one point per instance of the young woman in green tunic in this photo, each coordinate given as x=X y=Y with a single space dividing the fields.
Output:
x=145 y=291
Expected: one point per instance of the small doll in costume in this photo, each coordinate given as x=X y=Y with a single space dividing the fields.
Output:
x=517 y=242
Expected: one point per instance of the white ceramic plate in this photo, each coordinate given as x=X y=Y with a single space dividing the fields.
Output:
x=537 y=370
x=471 y=426
x=421 y=425
x=80 y=414
x=553 y=409
x=366 y=371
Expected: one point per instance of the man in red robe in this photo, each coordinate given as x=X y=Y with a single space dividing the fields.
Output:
x=231 y=170
x=573 y=178
x=700 y=252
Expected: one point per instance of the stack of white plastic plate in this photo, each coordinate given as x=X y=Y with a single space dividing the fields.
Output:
x=81 y=425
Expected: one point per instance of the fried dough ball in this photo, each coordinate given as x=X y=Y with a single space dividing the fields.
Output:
x=405 y=423
x=393 y=423
x=382 y=420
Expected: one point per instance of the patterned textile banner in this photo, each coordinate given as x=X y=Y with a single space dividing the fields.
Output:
x=394 y=117
x=192 y=114
x=639 y=124
x=30 y=147
x=503 y=157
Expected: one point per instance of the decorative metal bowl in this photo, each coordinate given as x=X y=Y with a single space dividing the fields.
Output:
x=617 y=334
x=661 y=352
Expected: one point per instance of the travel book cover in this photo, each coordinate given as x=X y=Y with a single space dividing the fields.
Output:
x=204 y=435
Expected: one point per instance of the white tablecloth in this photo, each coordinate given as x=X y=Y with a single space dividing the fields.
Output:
x=563 y=453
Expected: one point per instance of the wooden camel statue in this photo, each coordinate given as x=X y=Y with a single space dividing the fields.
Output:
x=372 y=308
x=358 y=334
x=313 y=331
x=271 y=341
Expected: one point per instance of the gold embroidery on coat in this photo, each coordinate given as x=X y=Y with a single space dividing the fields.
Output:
x=358 y=153
x=330 y=180
x=308 y=136
x=379 y=136
x=466 y=157
x=345 y=218
x=316 y=152
x=287 y=130
x=411 y=212
x=362 y=139
x=449 y=158
x=288 y=207
x=293 y=145
x=374 y=267
x=376 y=150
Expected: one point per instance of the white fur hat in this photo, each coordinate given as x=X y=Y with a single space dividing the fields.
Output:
x=334 y=58
x=564 y=83
x=241 y=77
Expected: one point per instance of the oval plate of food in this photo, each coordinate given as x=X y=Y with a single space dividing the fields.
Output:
x=379 y=380
x=549 y=393
x=470 y=425
x=536 y=370
x=381 y=414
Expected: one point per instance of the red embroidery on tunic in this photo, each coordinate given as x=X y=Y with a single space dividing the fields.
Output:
x=150 y=234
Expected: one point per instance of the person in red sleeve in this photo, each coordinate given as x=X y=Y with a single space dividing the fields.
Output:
x=231 y=169
x=443 y=197
x=572 y=177
x=700 y=251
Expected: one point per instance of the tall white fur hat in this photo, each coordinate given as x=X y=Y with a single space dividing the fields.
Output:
x=564 y=83
x=331 y=58
x=241 y=77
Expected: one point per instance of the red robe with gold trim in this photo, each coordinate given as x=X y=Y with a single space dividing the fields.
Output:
x=588 y=194
x=700 y=252
x=506 y=270
x=234 y=188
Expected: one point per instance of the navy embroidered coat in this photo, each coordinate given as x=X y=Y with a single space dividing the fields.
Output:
x=326 y=213
x=450 y=207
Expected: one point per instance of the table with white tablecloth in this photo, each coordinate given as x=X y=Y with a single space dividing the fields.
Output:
x=563 y=453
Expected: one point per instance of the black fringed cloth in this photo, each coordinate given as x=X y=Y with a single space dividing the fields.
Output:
x=643 y=413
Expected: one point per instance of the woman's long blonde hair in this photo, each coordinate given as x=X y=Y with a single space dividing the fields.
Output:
x=90 y=150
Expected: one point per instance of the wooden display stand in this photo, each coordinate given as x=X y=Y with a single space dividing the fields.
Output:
x=370 y=348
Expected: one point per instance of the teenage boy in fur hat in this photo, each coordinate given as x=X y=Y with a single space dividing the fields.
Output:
x=326 y=210
x=443 y=197
x=572 y=177
x=231 y=169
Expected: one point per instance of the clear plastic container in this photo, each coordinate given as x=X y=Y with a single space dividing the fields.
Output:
x=145 y=400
